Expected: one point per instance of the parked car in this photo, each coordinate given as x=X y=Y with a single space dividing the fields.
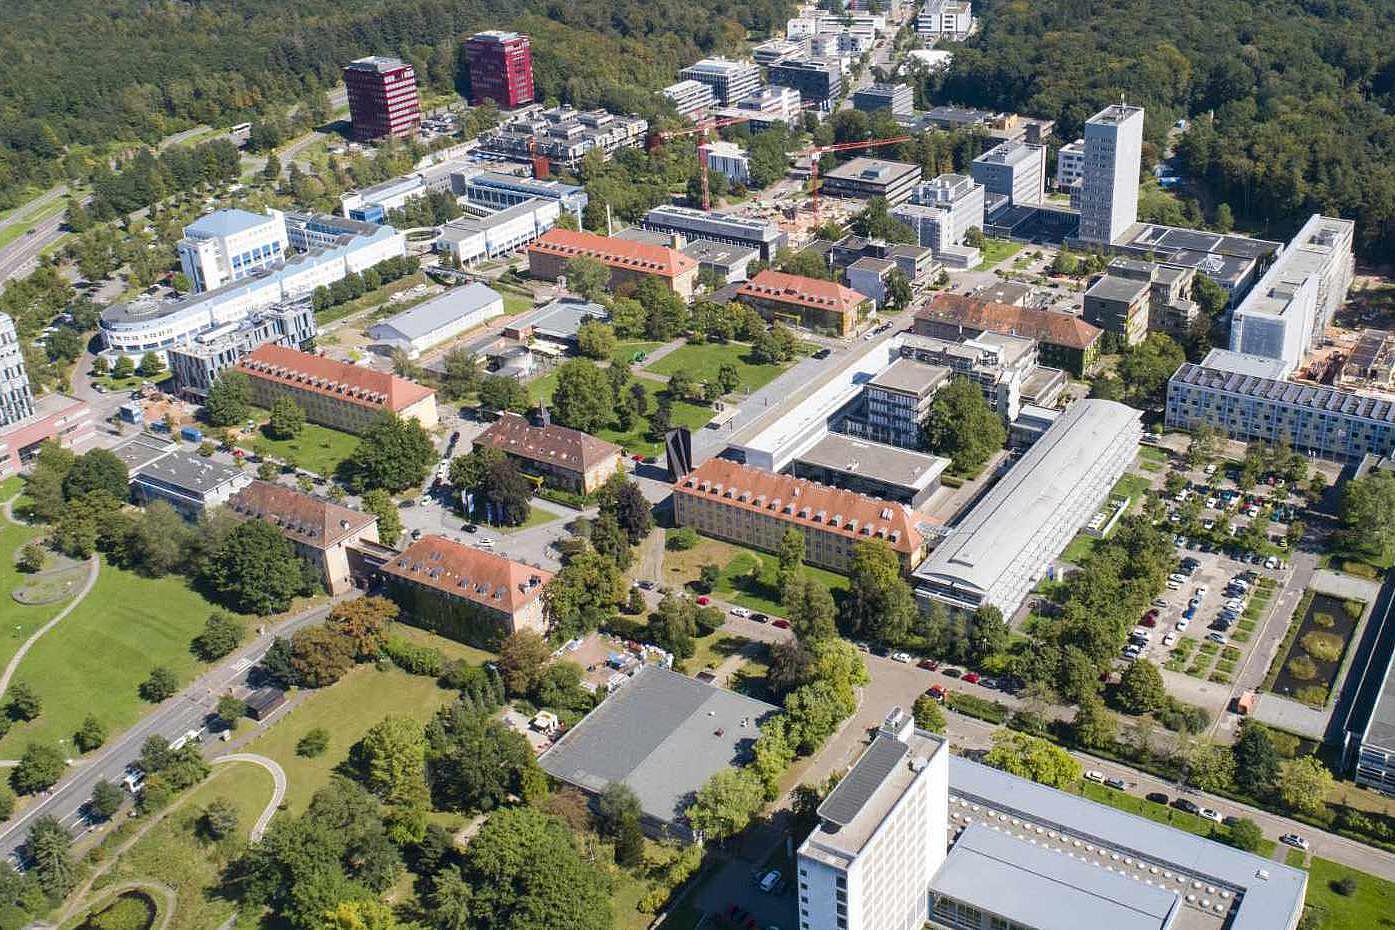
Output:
x=1150 y=621
x=936 y=693
x=972 y=678
x=470 y=528
x=780 y=624
x=703 y=600
x=760 y=618
x=771 y=879
x=902 y=657
x=951 y=672
x=740 y=612
x=1187 y=806
x=823 y=353
x=1294 y=840
x=1169 y=639
x=990 y=683
x=1217 y=638
x=1157 y=797
x=929 y=665
x=1160 y=603
x=1183 y=624
x=1095 y=775
x=1118 y=784
x=1210 y=814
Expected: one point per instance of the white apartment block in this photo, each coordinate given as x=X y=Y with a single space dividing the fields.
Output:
x=945 y=19
x=729 y=160
x=690 y=98
x=229 y=245
x=942 y=210
x=1286 y=313
x=16 y=397
x=1109 y=180
x=882 y=835
x=730 y=80
x=1015 y=170
x=1070 y=164
x=471 y=239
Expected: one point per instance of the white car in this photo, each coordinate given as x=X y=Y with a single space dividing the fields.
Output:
x=1210 y=505
x=1169 y=639
x=1212 y=815
x=1271 y=563
x=484 y=542
x=1294 y=840
x=771 y=879
x=1201 y=591
x=1183 y=624
x=902 y=657
x=740 y=612
x=1095 y=775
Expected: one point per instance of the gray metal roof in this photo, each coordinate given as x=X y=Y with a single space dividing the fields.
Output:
x=1314 y=397
x=662 y=734
x=891 y=464
x=1115 y=288
x=1256 y=366
x=1271 y=894
x=1046 y=889
x=185 y=471
x=425 y=318
x=142 y=449
x=858 y=786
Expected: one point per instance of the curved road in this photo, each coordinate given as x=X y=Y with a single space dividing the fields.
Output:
x=93 y=564
x=278 y=790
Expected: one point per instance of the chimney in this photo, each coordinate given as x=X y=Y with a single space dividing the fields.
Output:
x=544 y=417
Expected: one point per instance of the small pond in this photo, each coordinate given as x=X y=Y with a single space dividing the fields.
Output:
x=132 y=910
x=1313 y=661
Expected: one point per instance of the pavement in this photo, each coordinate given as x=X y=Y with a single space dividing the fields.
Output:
x=278 y=787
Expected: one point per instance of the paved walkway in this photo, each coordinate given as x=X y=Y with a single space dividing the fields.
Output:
x=93 y=569
x=278 y=786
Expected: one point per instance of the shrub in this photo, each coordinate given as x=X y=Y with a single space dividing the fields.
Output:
x=1354 y=609
x=31 y=558
x=1025 y=721
x=1325 y=647
x=414 y=659
x=1181 y=717
x=1302 y=668
x=1324 y=620
x=683 y=538
x=1360 y=569
x=1312 y=695
x=973 y=706
x=313 y=743
x=1345 y=886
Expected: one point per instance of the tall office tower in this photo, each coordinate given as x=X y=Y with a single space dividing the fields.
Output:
x=730 y=80
x=1109 y=186
x=383 y=98
x=501 y=68
x=16 y=399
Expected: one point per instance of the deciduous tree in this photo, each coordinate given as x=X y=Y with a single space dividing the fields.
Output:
x=961 y=426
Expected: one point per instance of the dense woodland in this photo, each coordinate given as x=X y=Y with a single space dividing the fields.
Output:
x=1292 y=99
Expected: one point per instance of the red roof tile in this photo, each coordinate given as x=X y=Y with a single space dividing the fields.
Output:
x=352 y=383
x=1050 y=326
x=298 y=516
x=464 y=571
x=616 y=253
x=801 y=291
x=554 y=445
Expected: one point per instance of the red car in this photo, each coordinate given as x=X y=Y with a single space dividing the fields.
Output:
x=971 y=677
x=637 y=458
x=782 y=624
x=928 y=664
x=1150 y=621
x=704 y=601
x=1150 y=615
x=936 y=693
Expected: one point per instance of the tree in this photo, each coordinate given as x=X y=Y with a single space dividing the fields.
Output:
x=1141 y=688
x=150 y=366
x=475 y=763
x=962 y=427
x=393 y=454
x=271 y=171
x=363 y=622
x=320 y=657
x=1257 y=761
x=313 y=743
x=229 y=399
x=595 y=339
x=287 y=419
x=39 y=768
x=362 y=914
x=1034 y=758
x=162 y=683
x=1244 y=834
x=1146 y=367
x=391 y=759
x=988 y=633
x=49 y=848
x=222 y=633
x=790 y=556
x=97 y=470
x=379 y=503
x=929 y=715
x=725 y=804
x=508 y=492
x=880 y=604
x=124 y=368
x=1094 y=726
x=1303 y=785
x=974 y=238
x=106 y=799
x=673 y=625
x=1367 y=512
x=584 y=594
x=814 y=712
x=90 y=735
x=1203 y=446
x=1065 y=263
x=523 y=657
x=587 y=276
x=1210 y=768
x=809 y=607
x=31 y=558
x=898 y=289
x=1210 y=296
x=255 y=570
x=24 y=702
x=1224 y=219
x=63 y=345
x=582 y=399
x=500 y=392
x=632 y=510
x=616 y=804
x=460 y=374
x=230 y=710
x=774 y=346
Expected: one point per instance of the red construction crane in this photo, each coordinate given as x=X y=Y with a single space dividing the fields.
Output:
x=818 y=151
x=701 y=128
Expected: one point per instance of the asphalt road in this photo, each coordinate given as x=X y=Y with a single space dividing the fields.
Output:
x=184 y=712
x=21 y=256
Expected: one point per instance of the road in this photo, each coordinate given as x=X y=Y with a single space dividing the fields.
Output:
x=186 y=711
x=22 y=256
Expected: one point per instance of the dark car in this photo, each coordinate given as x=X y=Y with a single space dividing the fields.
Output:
x=1157 y=797
x=1190 y=807
x=951 y=672
x=470 y=528
x=781 y=624
x=823 y=353
x=928 y=664
x=760 y=618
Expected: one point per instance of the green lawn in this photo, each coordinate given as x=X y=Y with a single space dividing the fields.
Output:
x=703 y=360
x=536 y=517
x=1080 y=548
x=1370 y=906
x=1158 y=812
x=1295 y=858
x=749 y=580
x=998 y=250
x=17 y=621
x=347 y=710
x=371 y=299
x=1131 y=485
x=318 y=448
x=635 y=442
x=94 y=661
x=626 y=349
x=21 y=229
x=449 y=647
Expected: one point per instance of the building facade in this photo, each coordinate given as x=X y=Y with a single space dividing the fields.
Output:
x=383 y=98
x=229 y=245
x=822 y=306
x=562 y=135
x=729 y=160
x=898 y=98
x=765 y=236
x=501 y=68
x=864 y=178
x=896 y=402
x=188 y=482
x=690 y=98
x=339 y=395
x=944 y=19
x=629 y=262
x=818 y=80
x=1063 y=340
x=471 y=239
x=321 y=531
x=1015 y=170
x=16 y=396
x=563 y=458
x=57 y=417
x=1070 y=167
x=1109 y=179
x=195 y=365
x=730 y=80
x=942 y=211
x=1000 y=365
x=754 y=508
x=439 y=319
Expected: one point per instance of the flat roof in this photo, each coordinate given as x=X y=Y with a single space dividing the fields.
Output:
x=1119 y=289
x=1272 y=390
x=871 y=171
x=1007 y=520
x=912 y=377
x=187 y=472
x=561 y=317
x=1242 y=363
x=662 y=734
x=228 y=222
x=1270 y=893
x=142 y=449
x=1011 y=152
x=442 y=310
x=1046 y=889
x=718 y=253
x=881 y=462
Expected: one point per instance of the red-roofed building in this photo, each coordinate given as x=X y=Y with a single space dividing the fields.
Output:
x=332 y=393
x=627 y=260
x=564 y=458
x=465 y=593
x=320 y=530
x=755 y=508
x=823 y=306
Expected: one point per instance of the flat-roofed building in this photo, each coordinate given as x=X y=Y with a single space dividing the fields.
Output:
x=1372 y=361
x=728 y=262
x=1118 y=305
x=730 y=80
x=1232 y=261
x=439 y=319
x=916 y=262
x=822 y=306
x=765 y=109
x=777 y=50
x=229 y=245
x=465 y=593
x=187 y=482
x=765 y=236
x=196 y=364
x=1000 y=365
x=998 y=553
x=896 y=402
x=1063 y=340
x=730 y=161
x=871 y=276
x=898 y=98
x=628 y=261
x=1109 y=184
x=690 y=98
x=321 y=531
x=564 y=458
x=475 y=238
x=1135 y=297
x=872 y=468
x=945 y=19
x=863 y=178
x=57 y=417
x=818 y=80
x=1015 y=170
x=1070 y=166
x=336 y=394
x=754 y=508
x=557 y=321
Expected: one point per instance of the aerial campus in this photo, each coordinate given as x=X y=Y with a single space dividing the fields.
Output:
x=767 y=490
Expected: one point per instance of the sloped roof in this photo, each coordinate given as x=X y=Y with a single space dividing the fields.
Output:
x=801 y=291
x=803 y=502
x=300 y=517
x=552 y=444
x=352 y=383
x=616 y=253
x=1042 y=325
x=464 y=571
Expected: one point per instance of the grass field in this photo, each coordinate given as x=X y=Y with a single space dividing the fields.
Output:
x=17 y=621
x=371 y=299
x=1370 y=906
x=94 y=661
x=703 y=360
x=635 y=442
x=1080 y=548
x=627 y=348
x=20 y=229
x=748 y=576
x=998 y=250
x=1131 y=485
x=347 y=710
x=317 y=448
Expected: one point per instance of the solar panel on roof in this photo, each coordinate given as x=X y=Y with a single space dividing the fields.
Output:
x=847 y=800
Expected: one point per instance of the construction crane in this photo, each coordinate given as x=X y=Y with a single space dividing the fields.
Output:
x=819 y=151
x=701 y=130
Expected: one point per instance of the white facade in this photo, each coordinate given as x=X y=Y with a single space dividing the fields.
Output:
x=730 y=80
x=1109 y=181
x=442 y=318
x=690 y=97
x=1070 y=164
x=16 y=397
x=472 y=239
x=229 y=245
x=730 y=160
x=1016 y=170
x=945 y=19
x=942 y=210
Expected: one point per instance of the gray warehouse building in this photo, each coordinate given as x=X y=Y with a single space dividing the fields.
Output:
x=998 y=553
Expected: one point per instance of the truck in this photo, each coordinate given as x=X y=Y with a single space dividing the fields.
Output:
x=191 y=433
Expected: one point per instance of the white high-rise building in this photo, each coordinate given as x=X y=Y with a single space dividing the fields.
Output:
x=730 y=80
x=882 y=835
x=1109 y=182
x=229 y=245
x=16 y=397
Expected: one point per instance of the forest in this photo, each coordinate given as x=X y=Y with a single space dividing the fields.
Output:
x=77 y=77
x=1291 y=101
